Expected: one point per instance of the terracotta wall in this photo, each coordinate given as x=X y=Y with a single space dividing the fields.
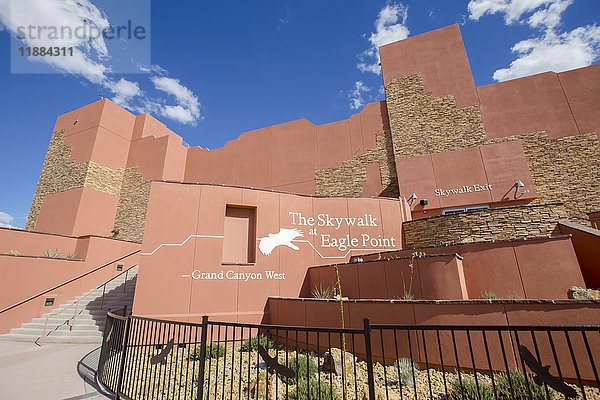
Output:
x=326 y=314
x=184 y=237
x=440 y=57
x=586 y=242
x=93 y=149
x=542 y=268
x=28 y=274
x=436 y=277
x=561 y=104
x=478 y=175
x=285 y=157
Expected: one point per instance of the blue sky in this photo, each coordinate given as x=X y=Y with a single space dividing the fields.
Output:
x=216 y=69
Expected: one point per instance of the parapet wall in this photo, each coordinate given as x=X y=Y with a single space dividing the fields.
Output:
x=489 y=225
x=30 y=272
x=508 y=270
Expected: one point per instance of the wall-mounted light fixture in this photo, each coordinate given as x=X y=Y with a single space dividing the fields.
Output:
x=412 y=199
x=519 y=184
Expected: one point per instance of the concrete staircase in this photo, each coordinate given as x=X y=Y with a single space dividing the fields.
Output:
x=87 y=325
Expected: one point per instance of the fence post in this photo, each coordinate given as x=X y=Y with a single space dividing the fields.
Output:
x=369 y=352
x=200 y=395
x=123 y=354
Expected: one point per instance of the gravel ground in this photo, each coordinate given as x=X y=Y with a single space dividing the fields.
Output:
x=236 y=373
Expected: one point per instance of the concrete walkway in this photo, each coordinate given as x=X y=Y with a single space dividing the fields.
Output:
x=50 y=372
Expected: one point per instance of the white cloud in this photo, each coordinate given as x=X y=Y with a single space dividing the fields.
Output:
x=187 y=110
x=553 y=52
x=512 y=9
x=79 y=24
x=35 y=22
x=5 y=220
x=124 y=91
x=356 y=95
x=390 y=27
x=552 y=49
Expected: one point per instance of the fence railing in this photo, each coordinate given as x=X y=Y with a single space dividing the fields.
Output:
x=146 y=358
x=70 y=321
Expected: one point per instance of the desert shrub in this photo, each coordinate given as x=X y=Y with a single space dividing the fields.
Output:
x=253 y=342
x=469 y=390
x=305 y=390
x=520 y=387
x=212 y=351
x=302 y=367
x=405 y=368
x=322 y=293
x=51 y=254
x=14 y=253
x=71 y=256
x=489 y=295
x=307 y=367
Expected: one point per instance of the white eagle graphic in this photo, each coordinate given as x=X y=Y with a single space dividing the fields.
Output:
x=283 y=238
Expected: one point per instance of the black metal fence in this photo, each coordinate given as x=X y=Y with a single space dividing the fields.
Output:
x=145 y=358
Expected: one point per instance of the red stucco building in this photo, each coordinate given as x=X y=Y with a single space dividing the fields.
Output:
x=443 y=191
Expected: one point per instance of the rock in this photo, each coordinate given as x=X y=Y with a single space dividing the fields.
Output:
x=332 y=361
x=363 y=393
x=578 y=293
x=261 y=386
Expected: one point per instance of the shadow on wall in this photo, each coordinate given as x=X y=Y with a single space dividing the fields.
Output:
x=116 y=297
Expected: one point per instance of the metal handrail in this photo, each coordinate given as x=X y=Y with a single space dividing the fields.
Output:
x=76 y=304
x=67 y=282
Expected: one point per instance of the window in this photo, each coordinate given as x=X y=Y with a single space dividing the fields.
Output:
x=449 y=211
x=49 y=302
x=119 y=267
x=239 y=240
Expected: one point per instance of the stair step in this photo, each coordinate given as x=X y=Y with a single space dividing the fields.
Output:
x=107 y=305
x=10 y=337
x=87 y=325
x=80 y=325
x=59 y=332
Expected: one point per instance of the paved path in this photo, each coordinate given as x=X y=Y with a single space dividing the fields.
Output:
x=50 y=372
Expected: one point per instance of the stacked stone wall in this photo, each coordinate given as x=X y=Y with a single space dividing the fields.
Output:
x=60 y=174
x=348 y=179
x=563 y=170
x=130 y=220
x=495 y=224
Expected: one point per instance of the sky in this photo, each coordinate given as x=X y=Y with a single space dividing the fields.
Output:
x=211 y=70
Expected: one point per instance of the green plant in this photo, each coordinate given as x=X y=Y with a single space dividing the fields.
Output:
x=466 y=389
x=514 y=296
x=303 y=365
x=51 y=254
x=307 y=385
x=71 y=256
x=322 y=293
x=408 y=296
x=212 y=351
x=14 y=253
x=253 y=342
x=305 y=390
x=406 y=368
x=519 y=387
x=489 y=295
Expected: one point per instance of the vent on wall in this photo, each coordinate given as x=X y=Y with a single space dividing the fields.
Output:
x=239 y=232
